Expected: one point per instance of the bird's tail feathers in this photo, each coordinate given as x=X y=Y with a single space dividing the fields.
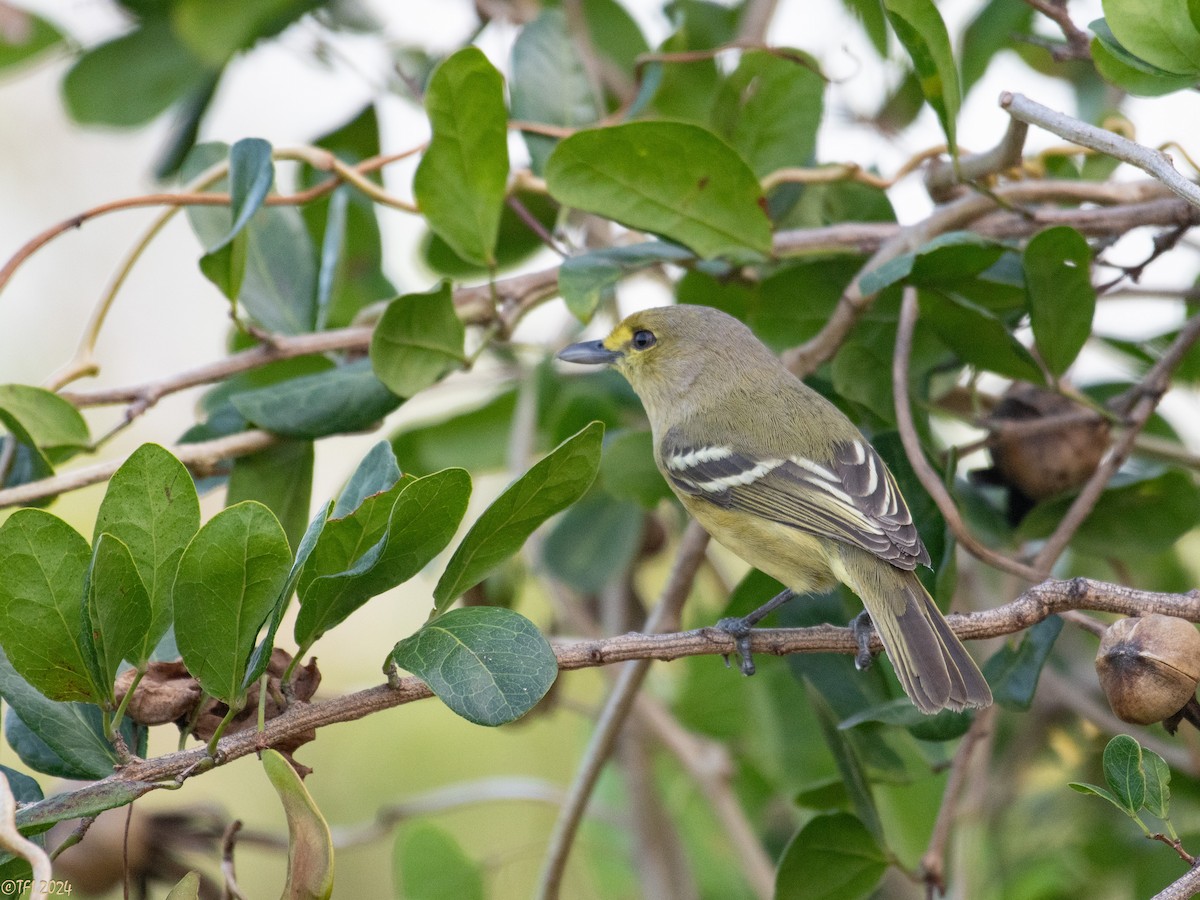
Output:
x=932 y=664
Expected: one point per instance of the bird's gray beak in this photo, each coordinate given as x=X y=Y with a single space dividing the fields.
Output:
x=589 y=353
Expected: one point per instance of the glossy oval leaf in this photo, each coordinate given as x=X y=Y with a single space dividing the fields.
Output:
x=674 y=179
x=429 y=864
x=978 y=337
x=1062 y=301
x=1131 y=73
x=833 y=857
x=461 y=180
x=549 y=82
x=376 y=472
x=251 y=174
x=310 y=845
x=1013 y=672
x=1123 y=772
x=489 y=665
x=151 y=507
x=1159 y=31
x=348 y=398
x=61 y=739
x=47 y=420
x=1158 y=784
x=229 y=578
x=418 y=340
x=588 y=278
x=769 y=109
x=41 y=604
x=550 y=486
x=118 y=609
x=424 y=517
x=949 y=258
x=280 y=478
x=921 y=30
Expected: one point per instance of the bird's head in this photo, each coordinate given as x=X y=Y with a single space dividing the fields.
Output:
x=667 y=353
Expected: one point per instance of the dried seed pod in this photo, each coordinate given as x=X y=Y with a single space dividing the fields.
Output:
x=1036 y=463
x=1149 y=667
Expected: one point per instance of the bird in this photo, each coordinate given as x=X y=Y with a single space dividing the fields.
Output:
x=776 y=473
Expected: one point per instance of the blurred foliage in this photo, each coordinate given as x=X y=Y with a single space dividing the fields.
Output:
x=646 y=162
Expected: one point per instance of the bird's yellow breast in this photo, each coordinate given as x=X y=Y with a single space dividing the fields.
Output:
x=801 y=561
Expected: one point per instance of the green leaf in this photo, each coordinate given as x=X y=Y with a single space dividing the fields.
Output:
x=849 y=765
x=251 y=174
x=216 y=29
x=1159 y=31
x=310 y=845
x=25 y=37
x=671 y=178
x=1117 y=65
x=476 y=439
x=85 y=803
x=151 y=507
x=833 y=857
x=1123 y=772
x=550 y=486
x=770 y=107
x=588 y=278
x=338 y=578
x=1062 y=301
x=462 y=177
x=628 y=472
x=51 y=428
x=515 y=243
x=376 y=472
x=948 y=258
x=1158 y=784
x=978 y=337
x=1013 y=673
x=229 y=578
x=923 y=33
x=118 y=610
x=549 y=83
x=348 y=398
x=280 y=478
x=991 y=31
x=489 y=665
x=130 y=80
x=1085 y=788
x=61 y=739
x=430 y=865
x=874 y=23
x=1148 y=515
x=418 y=340
x=593 y=542
x=41 y=607
x=280 y=283
x=187 y=888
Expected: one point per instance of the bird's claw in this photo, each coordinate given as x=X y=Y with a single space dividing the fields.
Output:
x=863 y=630
x=739 y=629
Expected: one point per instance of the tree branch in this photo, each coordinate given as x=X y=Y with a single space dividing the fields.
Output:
x=1031 y=607
x=1153 y=162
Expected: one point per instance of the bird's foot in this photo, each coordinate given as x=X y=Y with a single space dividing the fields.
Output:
x=863 y=630
x=739 y=629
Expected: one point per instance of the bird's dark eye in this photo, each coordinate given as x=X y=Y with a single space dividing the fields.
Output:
x=644 y=340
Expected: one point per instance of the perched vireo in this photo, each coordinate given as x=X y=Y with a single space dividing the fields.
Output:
x=781 y=477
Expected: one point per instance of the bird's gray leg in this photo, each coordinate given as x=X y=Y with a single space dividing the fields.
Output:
x=863 y=630
x=739 y=628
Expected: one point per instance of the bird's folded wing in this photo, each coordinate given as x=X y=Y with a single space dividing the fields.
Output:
x=851 y=498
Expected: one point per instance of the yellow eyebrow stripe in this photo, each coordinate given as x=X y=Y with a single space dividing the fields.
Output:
x=621 y=336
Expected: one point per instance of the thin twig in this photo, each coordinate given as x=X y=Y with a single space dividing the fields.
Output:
x=200 y=457
x=933 y=861
x=228 y=842
x=943 y=176
x=616 y=709
x=1079 y=45
x=1149 y=392
x=1153 y=162
x=930 y=479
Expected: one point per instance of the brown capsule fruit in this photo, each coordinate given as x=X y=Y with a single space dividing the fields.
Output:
x=1149 y=667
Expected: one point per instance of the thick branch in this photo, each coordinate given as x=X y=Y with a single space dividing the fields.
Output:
x=1036 y=604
